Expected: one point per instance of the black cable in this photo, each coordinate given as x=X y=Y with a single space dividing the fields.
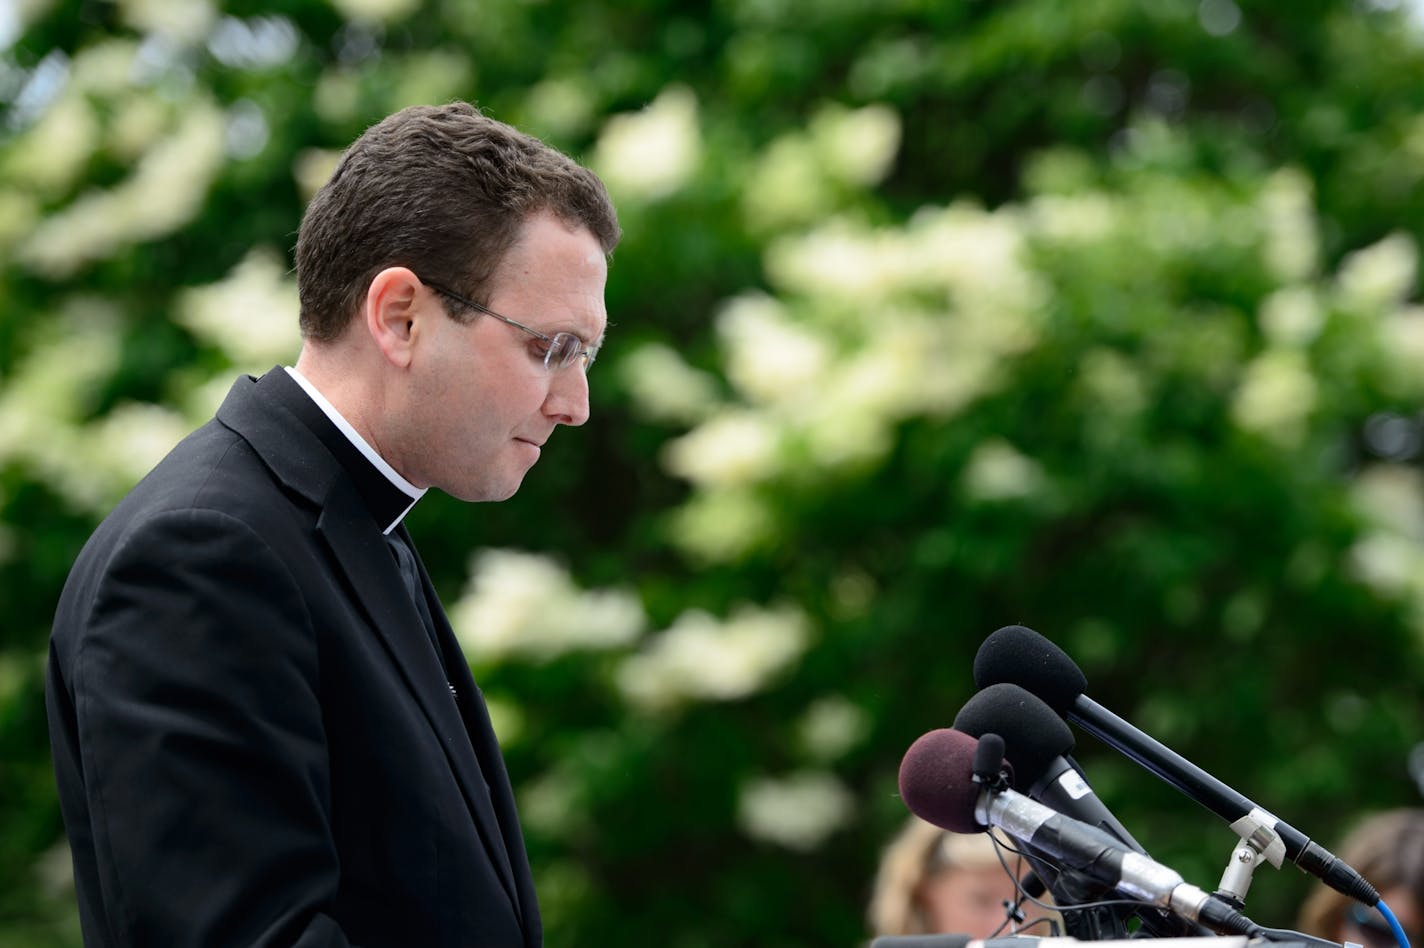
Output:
x=1013 y=913
x=1000 y=846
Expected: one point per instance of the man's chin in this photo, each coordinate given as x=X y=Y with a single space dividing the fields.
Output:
x=486 y=493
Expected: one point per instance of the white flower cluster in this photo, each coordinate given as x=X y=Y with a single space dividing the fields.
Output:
x=831 y=727
x=997 y=471
x=720 y=524
x=798 y=811
x=550 y=804
x=52 y=153
x=178 y=21
x=251 y=315
x=876 y=326
x=1379 y=277
x=731 y=450
x=664 y=387
x=1402 y=350
x=650 y=154
x=177 y=154
x=1390 y=498
x=375 y=11
x=703 y=659
x=523 y=604
x=437 y=75
x=1074 y=218
x=313 y=167
x=1279 y=389
x=47 y=401
x=1277 y=394
x=560 y=105
x=48 y=420
x=1291 y=317
x=1390 y=556
x=1292 y=238
x=798 y=177
x=867 y=327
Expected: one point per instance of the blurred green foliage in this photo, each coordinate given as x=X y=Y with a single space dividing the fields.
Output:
x=931 y=317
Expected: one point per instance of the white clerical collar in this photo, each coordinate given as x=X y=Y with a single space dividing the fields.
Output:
x=368 y=452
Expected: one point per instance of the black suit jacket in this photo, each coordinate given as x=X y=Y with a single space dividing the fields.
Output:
x=254 y=739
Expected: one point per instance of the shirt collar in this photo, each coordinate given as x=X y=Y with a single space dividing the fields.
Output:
x=389 y=495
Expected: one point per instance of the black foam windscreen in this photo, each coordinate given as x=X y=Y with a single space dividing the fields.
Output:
x=1034 y=735
x=1020 y=656
x=937 y=780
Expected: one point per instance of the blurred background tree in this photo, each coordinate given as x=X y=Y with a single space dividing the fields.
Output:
x=931 y=317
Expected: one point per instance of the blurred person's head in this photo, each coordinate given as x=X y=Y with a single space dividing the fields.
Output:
x=931 y=881
x=1387 y=848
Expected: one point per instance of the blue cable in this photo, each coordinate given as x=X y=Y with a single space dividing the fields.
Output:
x=1394 y=925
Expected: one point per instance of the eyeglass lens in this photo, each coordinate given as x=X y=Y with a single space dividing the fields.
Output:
x=564 y=350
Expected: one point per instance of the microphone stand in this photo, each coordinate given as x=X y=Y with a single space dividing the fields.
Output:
x=1258 y=840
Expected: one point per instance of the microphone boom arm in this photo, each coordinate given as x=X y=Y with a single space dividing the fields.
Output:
x=1217 y=797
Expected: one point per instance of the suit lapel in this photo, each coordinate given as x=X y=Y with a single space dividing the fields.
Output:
x=486 y=746
x=297 y=456
x=361 y=551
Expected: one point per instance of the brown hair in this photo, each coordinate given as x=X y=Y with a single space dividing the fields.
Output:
x=1388 y=850
x=443 y=190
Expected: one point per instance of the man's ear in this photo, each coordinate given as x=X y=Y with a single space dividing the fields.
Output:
x=394 y=301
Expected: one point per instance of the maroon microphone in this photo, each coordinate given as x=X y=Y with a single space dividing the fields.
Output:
x=937 y=780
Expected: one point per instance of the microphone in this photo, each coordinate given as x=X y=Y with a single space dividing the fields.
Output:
x=939 y=784
x=1038 y=744
x=1017 y=655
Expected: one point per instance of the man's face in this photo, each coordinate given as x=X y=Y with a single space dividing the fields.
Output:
x=481 y=401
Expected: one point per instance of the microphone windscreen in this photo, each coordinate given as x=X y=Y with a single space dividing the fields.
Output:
x=1033 y=734
x=1022 y=657
x=937 y=780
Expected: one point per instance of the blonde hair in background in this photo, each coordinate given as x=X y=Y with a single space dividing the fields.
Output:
x=919 y=851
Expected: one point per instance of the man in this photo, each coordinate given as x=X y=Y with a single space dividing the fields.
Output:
x=264 y=731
